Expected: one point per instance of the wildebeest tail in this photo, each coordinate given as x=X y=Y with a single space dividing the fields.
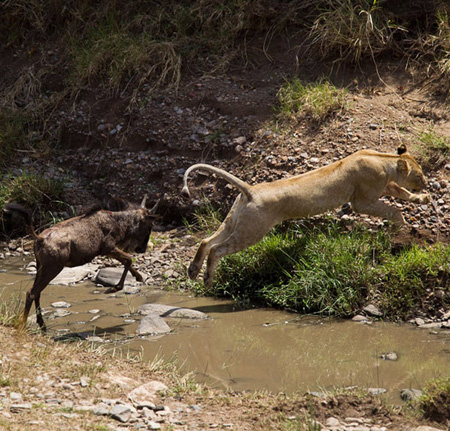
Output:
x=25 y=213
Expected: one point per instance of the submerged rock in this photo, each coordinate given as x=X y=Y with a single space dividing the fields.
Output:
x=171 y=311
x=152 y=324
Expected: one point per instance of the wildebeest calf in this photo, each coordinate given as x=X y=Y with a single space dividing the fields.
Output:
x=78 y=240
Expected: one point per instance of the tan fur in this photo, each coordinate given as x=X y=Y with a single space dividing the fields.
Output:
x=361 y=179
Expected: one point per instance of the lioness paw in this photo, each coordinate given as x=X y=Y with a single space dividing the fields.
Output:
x=422 y=198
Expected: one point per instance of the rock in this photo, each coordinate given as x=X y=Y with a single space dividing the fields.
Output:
x=418 y=321
x=146 y=394
x=15 y=396
x=17 y=408
x=122 y=412
x=376 y=391
x=131 y=290
x=241 y=140
x=371 y=310
x=332 y=422
x=427 y=428
x=391 y=356
x=410 y=394
x=60 y=304
x=84 y=381
x=360 y=318
x=152 y=324
x=74 y=275
x=171 y=311
x=61 y=312
x=111 y=276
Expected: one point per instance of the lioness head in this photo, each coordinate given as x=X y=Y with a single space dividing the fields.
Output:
x=410 y=174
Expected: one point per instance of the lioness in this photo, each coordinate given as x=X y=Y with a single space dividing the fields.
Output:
x=361 y=178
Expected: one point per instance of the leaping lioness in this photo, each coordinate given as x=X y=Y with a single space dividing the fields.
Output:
x=361 y=178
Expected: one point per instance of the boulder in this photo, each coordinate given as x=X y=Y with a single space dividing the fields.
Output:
x=110 y=277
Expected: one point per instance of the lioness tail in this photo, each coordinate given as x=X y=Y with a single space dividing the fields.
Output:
x=241 y=185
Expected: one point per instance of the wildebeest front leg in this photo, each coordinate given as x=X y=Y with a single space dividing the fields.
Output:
x=127 y=261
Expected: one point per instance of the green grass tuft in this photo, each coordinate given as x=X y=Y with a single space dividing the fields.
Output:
x=435 y=401
x=318 y=100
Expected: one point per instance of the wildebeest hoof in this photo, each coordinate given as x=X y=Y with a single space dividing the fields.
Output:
x=113 y=289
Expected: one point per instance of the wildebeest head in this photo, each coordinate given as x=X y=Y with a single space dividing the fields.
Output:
x=140 y=227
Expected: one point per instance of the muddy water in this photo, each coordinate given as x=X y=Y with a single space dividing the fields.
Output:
x=249 y=349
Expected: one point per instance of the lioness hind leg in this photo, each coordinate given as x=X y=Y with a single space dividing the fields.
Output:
x=380 y=209
x=239 y=240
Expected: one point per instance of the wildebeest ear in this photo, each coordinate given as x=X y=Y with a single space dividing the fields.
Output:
x=144 y=200
x=402 y=149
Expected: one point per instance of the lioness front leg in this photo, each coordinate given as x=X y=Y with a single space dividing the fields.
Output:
x=221 y=234
x=380 y=209
x=394 y=190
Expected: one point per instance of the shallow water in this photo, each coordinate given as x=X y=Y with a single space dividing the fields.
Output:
x=249 y=349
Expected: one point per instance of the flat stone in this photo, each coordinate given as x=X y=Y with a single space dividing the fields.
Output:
x=60 y=304
x=17 y=408
x=122 y=412
x=111 y=276
x=101 y=409
x=15 y=396
x=360 y=318
x=171 y=311
x=61 y=312
x=74 y=275
x=152 y=324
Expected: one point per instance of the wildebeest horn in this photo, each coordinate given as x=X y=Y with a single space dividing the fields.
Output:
x=153 y=210
x=144 y=201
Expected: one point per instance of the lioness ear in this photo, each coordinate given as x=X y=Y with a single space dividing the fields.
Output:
x=402 y=149
x=403 y=167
